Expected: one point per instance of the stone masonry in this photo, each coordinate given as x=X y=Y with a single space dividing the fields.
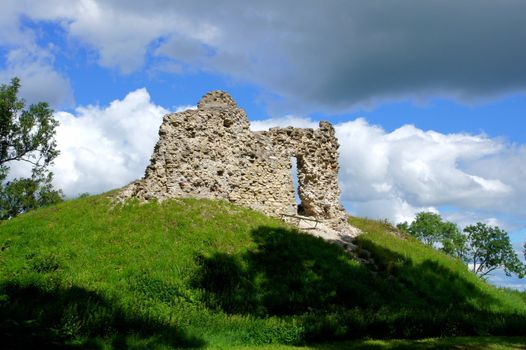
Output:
x=211 y=153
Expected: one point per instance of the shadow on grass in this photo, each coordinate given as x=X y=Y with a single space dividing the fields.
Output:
x=77 y=318
x=293 y=274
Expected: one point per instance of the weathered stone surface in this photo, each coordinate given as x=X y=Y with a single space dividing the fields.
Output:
x=211 y=153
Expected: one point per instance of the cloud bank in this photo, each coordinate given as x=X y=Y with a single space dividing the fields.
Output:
x=25 y=58
x=103 y=148
x=330 y=54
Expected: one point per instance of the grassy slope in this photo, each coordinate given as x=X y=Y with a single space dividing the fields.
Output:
x=194 y=273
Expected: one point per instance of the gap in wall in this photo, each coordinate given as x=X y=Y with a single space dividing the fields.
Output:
x=295 y=184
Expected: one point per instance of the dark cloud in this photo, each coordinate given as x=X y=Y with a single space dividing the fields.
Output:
x=343 y=53
x=332 y=54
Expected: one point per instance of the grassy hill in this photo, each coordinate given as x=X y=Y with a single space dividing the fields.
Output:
x=196 y=273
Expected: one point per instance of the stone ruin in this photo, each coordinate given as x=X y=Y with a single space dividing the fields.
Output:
x=211 y=153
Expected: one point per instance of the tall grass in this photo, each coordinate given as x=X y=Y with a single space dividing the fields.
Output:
x=191 y=273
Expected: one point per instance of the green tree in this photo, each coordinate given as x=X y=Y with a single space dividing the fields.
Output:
x=432 y=230
x=403 y=226
x=26 y=135
x=489 y=248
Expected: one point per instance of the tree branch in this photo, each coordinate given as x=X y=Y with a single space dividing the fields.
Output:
x=21 y=157
x=485 y=273
x=23 y=160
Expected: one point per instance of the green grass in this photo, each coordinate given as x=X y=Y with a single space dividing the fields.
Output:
x=459 y=343
x=197 y=273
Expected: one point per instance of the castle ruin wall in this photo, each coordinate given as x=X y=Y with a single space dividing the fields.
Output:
x=212 y=153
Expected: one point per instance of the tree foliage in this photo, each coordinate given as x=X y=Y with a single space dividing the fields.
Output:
x=432 y=230
x=489 y=248
x=26 y=135
x=483 y=248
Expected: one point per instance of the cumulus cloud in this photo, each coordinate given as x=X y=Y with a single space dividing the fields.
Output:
x=425 y=167
x=468 y=217
x=120 y=33
x=184 y=108
x=332 y=54
x=10 y=31
x=408 y=170
x=39 y=80
x=289 y=120
x=396 y=174
x=102 y=148
x=32 y=63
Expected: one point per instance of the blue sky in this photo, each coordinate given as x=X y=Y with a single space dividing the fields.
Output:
x=428 y=98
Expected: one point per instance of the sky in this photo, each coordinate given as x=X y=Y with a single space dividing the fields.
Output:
x=428 y=98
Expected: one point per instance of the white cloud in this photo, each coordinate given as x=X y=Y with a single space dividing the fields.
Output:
x=33 y=64
x=39 y=80
x=121 y=33
x=289 y=120
x=10 y=31
x=106 y=147
x=184 y=108
x=120 y=37
x=469 y=217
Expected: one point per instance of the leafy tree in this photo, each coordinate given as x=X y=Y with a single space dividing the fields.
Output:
x=432 y=230
x=453 y=241
x=26 y=135
x=489 y=248
x=403 y=226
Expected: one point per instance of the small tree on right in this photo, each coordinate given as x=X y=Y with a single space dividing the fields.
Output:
x=488 y=248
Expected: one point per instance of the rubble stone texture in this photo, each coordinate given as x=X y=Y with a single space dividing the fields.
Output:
x=211 y=153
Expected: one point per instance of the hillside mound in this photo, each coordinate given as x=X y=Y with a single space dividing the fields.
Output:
x=192 y=273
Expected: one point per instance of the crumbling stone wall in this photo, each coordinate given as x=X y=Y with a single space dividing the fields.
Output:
x=211 y=153
x=316 y=153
